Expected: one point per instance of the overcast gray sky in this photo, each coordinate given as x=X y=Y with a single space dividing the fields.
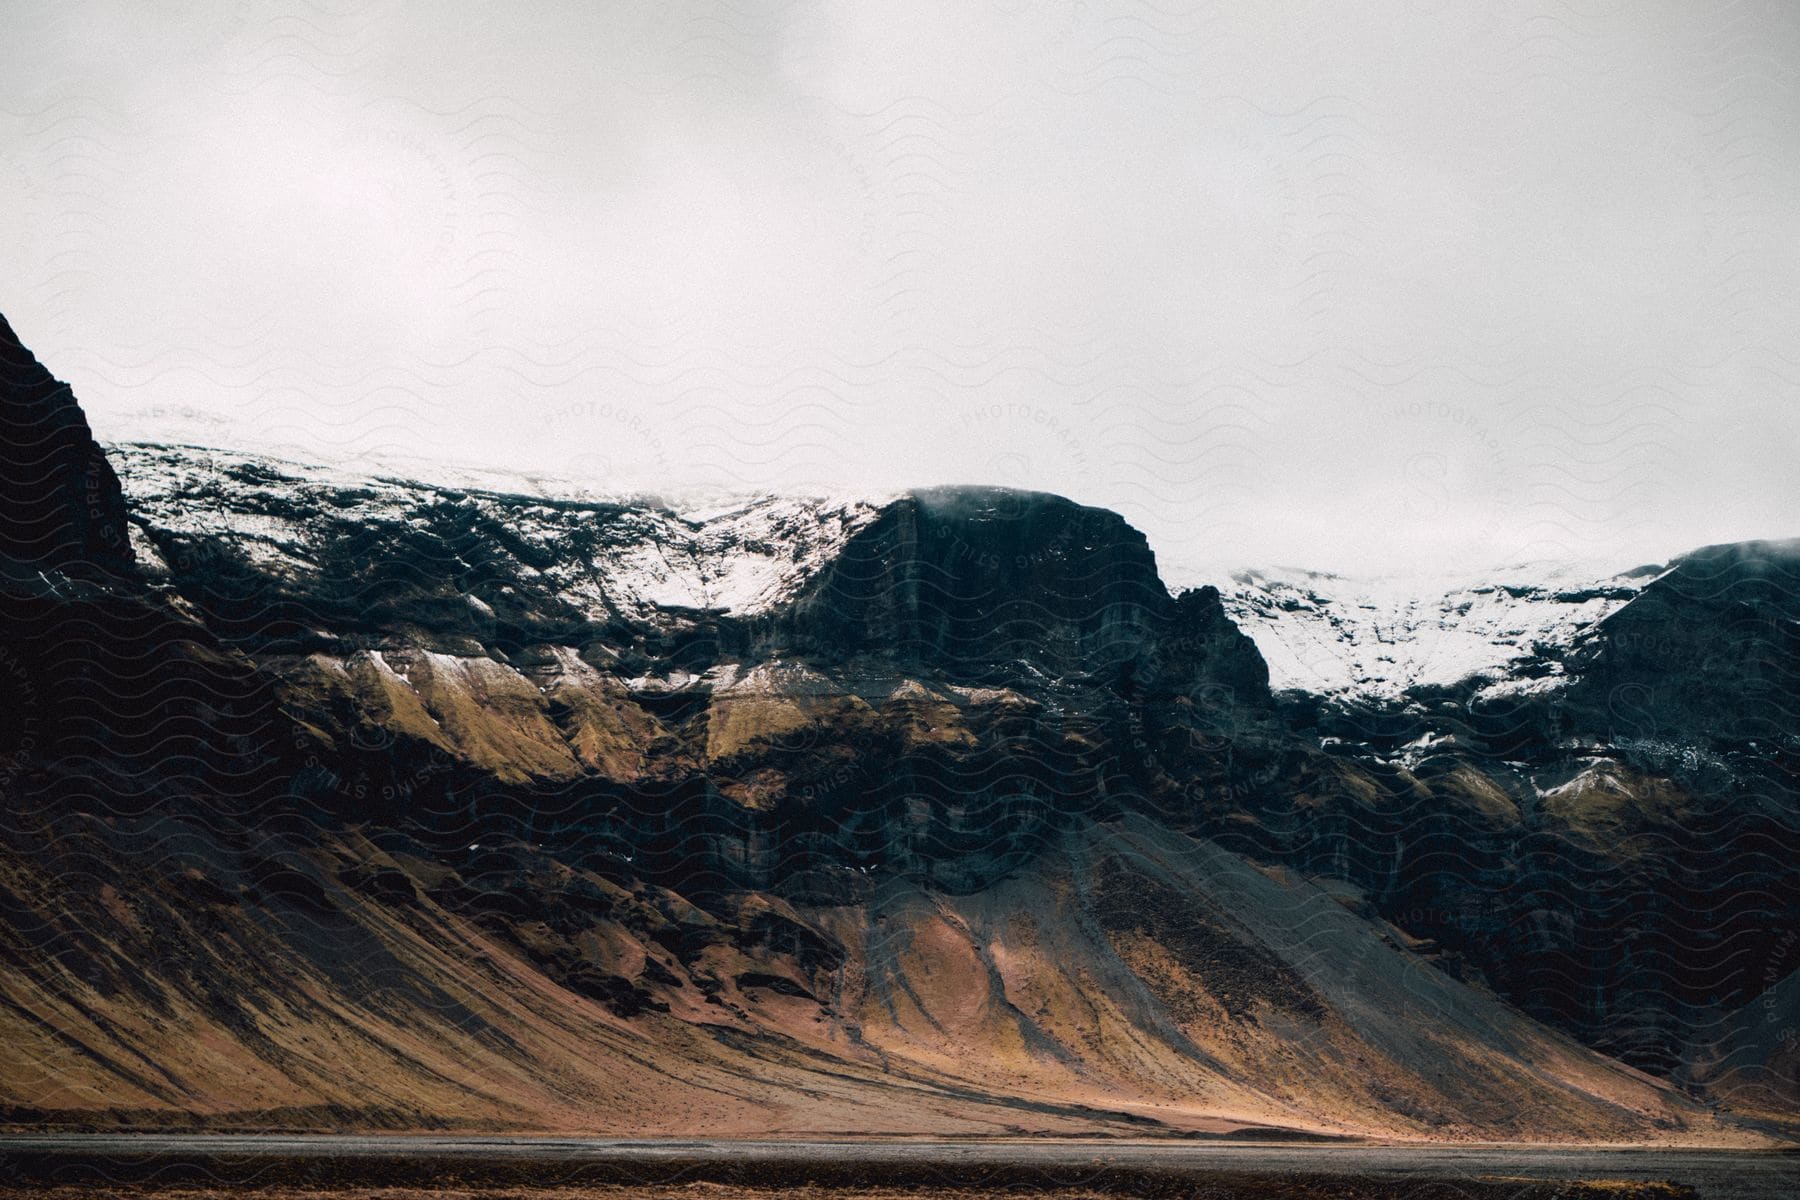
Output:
x=1356 y=286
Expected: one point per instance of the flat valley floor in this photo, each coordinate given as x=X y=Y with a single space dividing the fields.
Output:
x=280 y=1167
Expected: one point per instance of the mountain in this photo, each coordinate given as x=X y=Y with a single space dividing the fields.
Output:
x=360 y=802
x=1644 y=726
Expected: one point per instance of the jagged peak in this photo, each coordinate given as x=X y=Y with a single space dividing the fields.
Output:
x=60 y=503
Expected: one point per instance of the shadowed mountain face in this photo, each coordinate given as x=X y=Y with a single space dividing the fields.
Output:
x=1711 y=648
x=108 y=697
x=361 y=802
x=60 y=497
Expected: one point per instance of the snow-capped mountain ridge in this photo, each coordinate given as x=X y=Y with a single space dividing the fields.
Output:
x=1346 y=638
x=620 y=555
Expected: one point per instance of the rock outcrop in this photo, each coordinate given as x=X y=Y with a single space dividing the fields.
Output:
x=61 y=501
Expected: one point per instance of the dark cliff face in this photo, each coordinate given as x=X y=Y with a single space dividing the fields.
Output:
x=60 y=503
x=1017 y=585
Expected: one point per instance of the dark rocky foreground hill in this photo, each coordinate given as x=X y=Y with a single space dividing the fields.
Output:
x=336 y=801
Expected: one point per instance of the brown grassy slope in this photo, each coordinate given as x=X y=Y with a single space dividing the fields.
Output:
x=152 y=973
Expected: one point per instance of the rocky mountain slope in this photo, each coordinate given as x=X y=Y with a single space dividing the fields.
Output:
x=345 y=801
x=1647 y=720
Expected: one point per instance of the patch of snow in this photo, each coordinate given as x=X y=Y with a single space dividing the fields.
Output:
x=1373 y=638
